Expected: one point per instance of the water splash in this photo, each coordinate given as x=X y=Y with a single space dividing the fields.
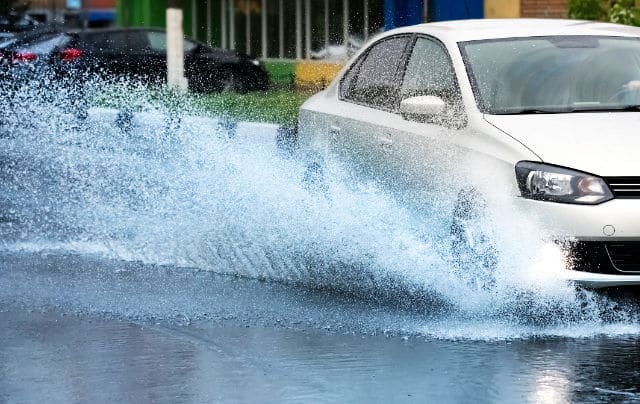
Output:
x=170 y=185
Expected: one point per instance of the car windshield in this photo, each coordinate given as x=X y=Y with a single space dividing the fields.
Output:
x=554 y=74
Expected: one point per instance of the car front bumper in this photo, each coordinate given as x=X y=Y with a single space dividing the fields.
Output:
x=596 y=281
x=618 y=219
x=603 y=247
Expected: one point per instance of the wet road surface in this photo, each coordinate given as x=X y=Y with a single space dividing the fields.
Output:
x=70 y=335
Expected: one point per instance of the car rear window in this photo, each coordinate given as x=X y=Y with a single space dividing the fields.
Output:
x=46 y=45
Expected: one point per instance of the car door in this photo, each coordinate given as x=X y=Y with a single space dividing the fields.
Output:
x=362 y=122
x=113 y=52
x=423 y=159
x=156 y=55
x=144 y=64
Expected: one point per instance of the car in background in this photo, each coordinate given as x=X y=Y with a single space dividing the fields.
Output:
x=6 y=38
x=136 y=54
x=18 y=23
x=459 y=115
x=20 y=58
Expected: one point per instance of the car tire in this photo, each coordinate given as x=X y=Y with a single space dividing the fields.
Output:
x=472 y=248
x=230 y=80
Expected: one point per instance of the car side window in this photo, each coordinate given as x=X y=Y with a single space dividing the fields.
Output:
x=429 y=72
x=374 y=79
x=116 y=41
x=158 y=42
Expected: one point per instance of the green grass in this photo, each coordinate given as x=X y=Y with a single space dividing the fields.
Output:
x=273 y=106
x=276 y=106
x=281 y=72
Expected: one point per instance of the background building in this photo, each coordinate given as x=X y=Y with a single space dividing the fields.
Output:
x=288 y=34
x=74 y=13
x=296 y=29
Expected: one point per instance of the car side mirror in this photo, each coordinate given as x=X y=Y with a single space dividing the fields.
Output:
x=422 y=108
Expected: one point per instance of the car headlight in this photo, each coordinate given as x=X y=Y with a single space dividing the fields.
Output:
x=550 y=183
x=255 y=62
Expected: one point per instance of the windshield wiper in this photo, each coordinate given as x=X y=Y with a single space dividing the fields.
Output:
x=612 y=109
x=525 y=111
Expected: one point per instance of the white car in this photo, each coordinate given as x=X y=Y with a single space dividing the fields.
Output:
x=545 y=112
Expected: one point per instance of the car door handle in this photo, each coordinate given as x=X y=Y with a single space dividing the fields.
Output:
x=385 y=141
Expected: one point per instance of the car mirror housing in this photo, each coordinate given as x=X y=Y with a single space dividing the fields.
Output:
x=421 y=107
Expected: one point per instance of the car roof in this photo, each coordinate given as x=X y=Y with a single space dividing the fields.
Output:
x=29 y=37
x=469 y=30
x=111 y=30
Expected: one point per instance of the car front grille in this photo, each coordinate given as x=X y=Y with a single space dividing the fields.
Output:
x=610 y=257
x=624 y=187
x=625 y=256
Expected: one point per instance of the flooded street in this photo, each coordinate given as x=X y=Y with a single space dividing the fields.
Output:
x=79 y=329
x=172 y=259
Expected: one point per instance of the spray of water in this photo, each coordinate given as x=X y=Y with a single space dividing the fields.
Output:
x=160 y=182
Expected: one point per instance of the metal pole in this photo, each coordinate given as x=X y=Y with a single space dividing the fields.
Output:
x=263 y=33
x=326 y=24
x=232 y=25
x=247 y=28
x=209 y=22
x=366 y=19
x=223 y=24
x=307 y=29
x=425 y=11
x=345 y=22
x=281 y=29
x=175 y=46
x=298 y=29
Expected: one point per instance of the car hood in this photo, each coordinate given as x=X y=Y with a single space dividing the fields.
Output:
x=601 y=143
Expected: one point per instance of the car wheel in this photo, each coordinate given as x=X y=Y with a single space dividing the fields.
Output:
x=472 y=247
x=227 y=81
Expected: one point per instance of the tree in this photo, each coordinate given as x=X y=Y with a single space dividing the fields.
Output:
x=617 y=11
x=594 y=10
x=625 y=12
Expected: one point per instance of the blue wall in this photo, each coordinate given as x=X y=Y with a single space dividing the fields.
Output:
x=443 y=10
x=399 y=13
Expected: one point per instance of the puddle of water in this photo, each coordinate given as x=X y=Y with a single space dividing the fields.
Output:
x=172 y=188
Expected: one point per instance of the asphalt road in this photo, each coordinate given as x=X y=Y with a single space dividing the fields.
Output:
x=80 y=328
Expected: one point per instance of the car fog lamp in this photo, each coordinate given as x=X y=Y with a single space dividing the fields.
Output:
x=557 y=184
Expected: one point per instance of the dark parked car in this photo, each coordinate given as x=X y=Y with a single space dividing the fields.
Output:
x=138 y=54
